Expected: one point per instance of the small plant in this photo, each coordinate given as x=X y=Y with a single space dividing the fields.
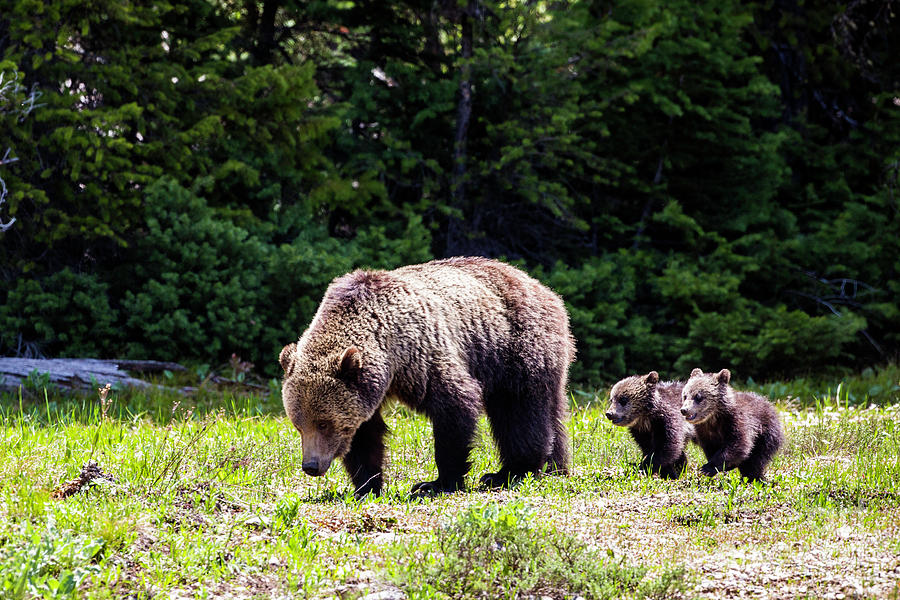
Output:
x=495 y=551
x=105 y=400
x=48 y=564
x=286 y=511
x=202 y=371
x=239 y=368
x=36 y=381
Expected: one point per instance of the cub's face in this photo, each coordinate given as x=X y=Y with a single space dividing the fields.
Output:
x=323 y=406
x=629 y=398
x=702 y=393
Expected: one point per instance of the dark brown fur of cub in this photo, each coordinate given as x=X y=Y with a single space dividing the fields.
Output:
x=650 y=410
x=448 y=338
x=735 y=429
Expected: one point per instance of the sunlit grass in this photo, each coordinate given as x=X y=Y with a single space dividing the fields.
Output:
x=206 y=498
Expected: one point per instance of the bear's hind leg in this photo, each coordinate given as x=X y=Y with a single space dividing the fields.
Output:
x=754 y=467
x=366 y=456
x=560 y=456
x=524 y=429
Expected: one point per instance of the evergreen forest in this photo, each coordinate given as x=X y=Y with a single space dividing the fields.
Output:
x=707 y=183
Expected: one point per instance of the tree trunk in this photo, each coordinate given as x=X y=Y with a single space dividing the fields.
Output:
x=463 y=116
x=265 y=33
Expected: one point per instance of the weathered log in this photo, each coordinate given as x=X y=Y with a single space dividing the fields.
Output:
x=149 y=366
x=77 y=373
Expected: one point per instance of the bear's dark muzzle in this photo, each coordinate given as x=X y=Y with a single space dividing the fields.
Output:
x=313 y=467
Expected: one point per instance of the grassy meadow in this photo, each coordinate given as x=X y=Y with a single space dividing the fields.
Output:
x=203 y=497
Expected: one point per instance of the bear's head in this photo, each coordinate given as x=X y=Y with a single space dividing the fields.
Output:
x=327 y=401
x=703 y=394
x=629 y=399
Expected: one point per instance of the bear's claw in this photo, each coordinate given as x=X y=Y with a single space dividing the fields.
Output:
x=709 y=470
x=431 y=488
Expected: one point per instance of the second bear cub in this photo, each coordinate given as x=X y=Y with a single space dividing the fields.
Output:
x=649 y=408
x=735 y=429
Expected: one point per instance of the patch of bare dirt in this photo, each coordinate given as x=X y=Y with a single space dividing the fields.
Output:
x=755 y=550
x=760 y=553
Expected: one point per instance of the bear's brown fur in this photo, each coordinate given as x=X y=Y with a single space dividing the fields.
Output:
x=735 y=429
x=650 y=410
x=448 y=338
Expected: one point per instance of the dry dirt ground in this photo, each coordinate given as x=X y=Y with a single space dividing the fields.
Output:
x=751 y=552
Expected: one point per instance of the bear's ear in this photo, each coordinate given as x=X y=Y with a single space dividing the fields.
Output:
x=723 y=376
x=286 y=354
x=350 y=363
x=652 y=377
x=696 y=373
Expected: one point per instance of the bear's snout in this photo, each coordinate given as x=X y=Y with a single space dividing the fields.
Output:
x=312 y=466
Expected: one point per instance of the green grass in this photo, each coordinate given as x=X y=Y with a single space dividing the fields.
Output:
x=205 y=498
x=874 y=385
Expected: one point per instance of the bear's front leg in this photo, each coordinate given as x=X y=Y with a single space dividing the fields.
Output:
x=724 y=460
x=366 y=456
x=644 y=440
x=454 y=430
x=675 y=469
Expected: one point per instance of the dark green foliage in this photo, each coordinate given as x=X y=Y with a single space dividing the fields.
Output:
x=611 y=333
x=298 y=273
x=707 y=184
x=68 y=312
x=200 y=277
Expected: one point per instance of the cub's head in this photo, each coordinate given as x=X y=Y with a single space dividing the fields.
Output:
x=326 y=403
x=630 y=398
x=703 y=394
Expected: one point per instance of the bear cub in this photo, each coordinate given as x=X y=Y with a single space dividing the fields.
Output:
x=735 y=429
x=650 y=410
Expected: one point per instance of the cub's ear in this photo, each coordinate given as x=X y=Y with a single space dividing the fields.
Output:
x=350 y=363
x=723 y=376
x=696 y=372
x=286 y=354
x=652 y=377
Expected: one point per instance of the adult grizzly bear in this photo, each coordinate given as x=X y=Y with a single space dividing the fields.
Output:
x=649 y=408
x=735 y=429
x=447 y=338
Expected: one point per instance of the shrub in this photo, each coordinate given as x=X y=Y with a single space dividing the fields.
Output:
x=66 y=313
x=195 y=277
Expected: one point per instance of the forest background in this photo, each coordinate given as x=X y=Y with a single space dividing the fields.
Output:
x=707 y=182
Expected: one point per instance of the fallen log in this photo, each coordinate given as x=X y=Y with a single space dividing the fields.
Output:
x=149 y=366
x=77 y=373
